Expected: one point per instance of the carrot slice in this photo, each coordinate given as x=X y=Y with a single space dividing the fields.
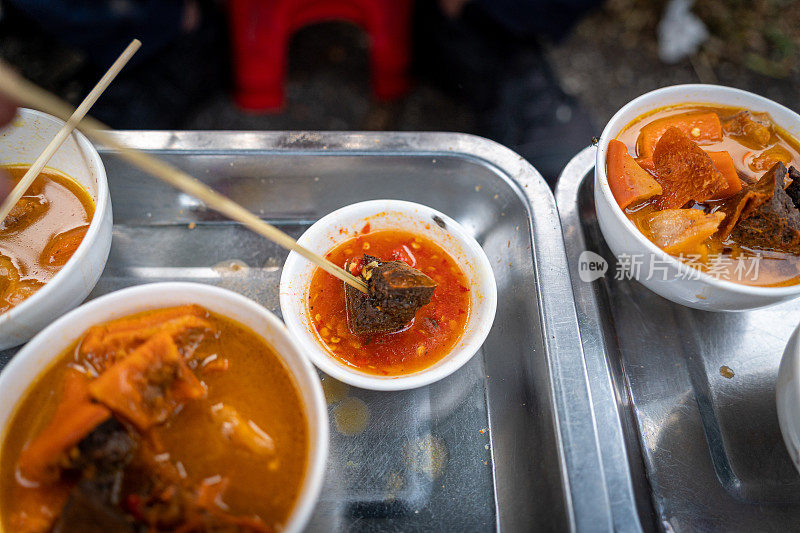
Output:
x=682 y=230
x=698 y=126
x=684 y=171
x=724 y=163
x=61 y=247
x=75 y=417
x=149 y=384
x=628 y=181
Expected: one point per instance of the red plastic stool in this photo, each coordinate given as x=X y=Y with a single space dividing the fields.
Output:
x=261 y=30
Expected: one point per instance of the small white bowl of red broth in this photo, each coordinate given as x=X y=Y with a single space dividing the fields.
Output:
x=690 y=193
x=228 y=417
x=443 y=335
x=55 y=243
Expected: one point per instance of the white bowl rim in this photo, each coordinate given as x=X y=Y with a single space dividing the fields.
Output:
x=426 y=376
x=101 y=204
x=317 y=462
x=789 y=419
x=683 y=268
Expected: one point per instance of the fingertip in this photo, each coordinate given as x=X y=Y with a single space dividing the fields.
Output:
x=8 y=110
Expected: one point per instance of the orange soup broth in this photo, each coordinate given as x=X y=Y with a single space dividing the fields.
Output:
x=69 y=208
x=760 y=268
x=436 y=328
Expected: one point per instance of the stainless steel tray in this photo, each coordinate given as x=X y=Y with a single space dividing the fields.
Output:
x=683 y=448
x=508 y=441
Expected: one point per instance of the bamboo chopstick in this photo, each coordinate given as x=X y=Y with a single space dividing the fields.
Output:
x=23 y=91
x=33 y=172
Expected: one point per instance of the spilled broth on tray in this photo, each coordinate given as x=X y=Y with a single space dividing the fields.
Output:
x=175 y=419
x=716 y=187
x=41 y=233
x=439 y=307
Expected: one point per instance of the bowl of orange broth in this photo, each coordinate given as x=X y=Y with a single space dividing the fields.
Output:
x=697 y=191
x=55 y=242
x=443 y=335
x=163 y=407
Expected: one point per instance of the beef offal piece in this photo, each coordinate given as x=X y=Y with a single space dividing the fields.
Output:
x=751 y=129
x=684 y=171
x=775 y=224
x=793 y=190
x=744 y=203
x=396 y=292
x=100 y=461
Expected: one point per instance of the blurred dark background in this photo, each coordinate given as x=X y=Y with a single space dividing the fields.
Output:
x=540 y=76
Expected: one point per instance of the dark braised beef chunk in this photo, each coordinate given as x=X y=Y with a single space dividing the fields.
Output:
x=86 y=512
x=104 y=454
x=793 y=190
x=100 y=462
x=775 y=224
x=396 y=292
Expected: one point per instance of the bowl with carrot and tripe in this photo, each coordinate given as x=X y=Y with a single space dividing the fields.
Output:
x=697 y=191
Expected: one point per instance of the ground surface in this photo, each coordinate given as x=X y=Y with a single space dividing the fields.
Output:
x=612 y=55
x=609 y=58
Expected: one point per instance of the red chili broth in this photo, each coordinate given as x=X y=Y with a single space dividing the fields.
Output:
x=436 y=329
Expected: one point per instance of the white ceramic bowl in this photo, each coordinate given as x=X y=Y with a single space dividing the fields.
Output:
x=787 y=397
x=22 y=142
x=389 y=214
x=45 y=348
x=704 y=291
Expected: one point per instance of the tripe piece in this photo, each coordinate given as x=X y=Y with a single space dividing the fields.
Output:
x=148 y=385
x=750 y=129
x=681 y=230
x=684 y=171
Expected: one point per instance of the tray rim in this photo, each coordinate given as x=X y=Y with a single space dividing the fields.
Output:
x=588 y=499
x=616 y=466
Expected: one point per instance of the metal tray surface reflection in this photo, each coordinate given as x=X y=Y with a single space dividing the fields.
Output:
x=684 y=448
x=507 y=442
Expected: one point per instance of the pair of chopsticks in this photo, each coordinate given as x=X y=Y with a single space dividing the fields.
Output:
x=26 y=93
